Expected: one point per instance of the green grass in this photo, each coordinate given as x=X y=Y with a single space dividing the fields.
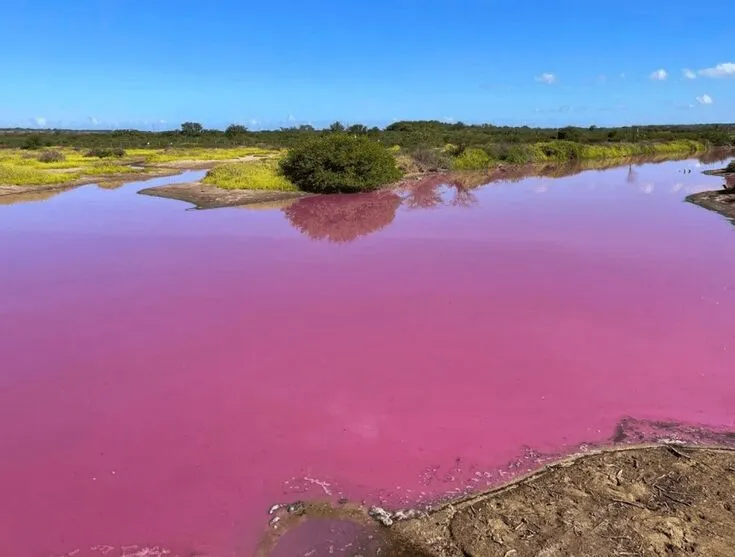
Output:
x=260 y=175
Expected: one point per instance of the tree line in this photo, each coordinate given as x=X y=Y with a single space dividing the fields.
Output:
x=406 y=134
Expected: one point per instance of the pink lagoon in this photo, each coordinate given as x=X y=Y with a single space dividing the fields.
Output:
x=169 y=374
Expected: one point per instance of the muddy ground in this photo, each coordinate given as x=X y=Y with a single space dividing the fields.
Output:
x=204 y=196
x=720 y=201
x=663 y=500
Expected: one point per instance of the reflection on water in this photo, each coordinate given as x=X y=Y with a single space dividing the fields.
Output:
x=343 y=218
x=28 y=196
x=715 y=156
x=632 y=176
x=442 y=189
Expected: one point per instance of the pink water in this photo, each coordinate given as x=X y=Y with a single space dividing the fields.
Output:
x=169 y=374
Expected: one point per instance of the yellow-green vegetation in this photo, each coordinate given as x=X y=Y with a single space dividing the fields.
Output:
x=559 y=151
x=154 y=156
x=252 y=175
x=15 y=175
x=57 y=166
x=471 y=159
x=50 y=166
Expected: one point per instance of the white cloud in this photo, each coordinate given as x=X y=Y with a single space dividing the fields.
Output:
x=548 y=78
x=659 y=75
x=291 y=118
x=705 y=99
x=720 y=70
x=688 y=74
x=93 y=121
x=622 y=76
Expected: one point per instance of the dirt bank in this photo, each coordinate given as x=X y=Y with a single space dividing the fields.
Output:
x=204 y=196
x=658 y=500
x=720 y=201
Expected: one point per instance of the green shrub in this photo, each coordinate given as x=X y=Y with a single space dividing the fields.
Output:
x=103 y=153
x=339 y=163
x=561 y=151
x=521 y=154
x=471 y=159
x=51 y=156
x=234 y=131
x=32 y=142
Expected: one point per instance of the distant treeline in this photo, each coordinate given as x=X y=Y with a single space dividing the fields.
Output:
x=407 y=134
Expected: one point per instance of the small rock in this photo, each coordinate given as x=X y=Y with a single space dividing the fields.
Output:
x=381 y=515
x=274 y=508
x=408 y=514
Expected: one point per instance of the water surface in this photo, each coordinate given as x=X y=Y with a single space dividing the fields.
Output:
x=168 y=374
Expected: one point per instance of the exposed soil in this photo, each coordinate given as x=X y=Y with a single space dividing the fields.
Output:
x=204 y=196
x=659 y=500
x=720 y=201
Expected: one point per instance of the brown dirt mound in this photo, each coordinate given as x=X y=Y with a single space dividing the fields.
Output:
x=657 y=501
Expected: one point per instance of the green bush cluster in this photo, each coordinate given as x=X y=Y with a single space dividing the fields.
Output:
x=407 y=134
x=339 y=163
x=32 y=142
x=105 y=153
x=555 y=151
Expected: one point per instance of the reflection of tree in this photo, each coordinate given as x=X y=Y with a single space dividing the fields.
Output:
x=424 y=193
x=463 y=197
x=343 y=218
x=632 y=176
x=714 y=155
x=428 y=192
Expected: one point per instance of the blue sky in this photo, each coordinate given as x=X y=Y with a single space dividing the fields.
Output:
x=153 y=64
